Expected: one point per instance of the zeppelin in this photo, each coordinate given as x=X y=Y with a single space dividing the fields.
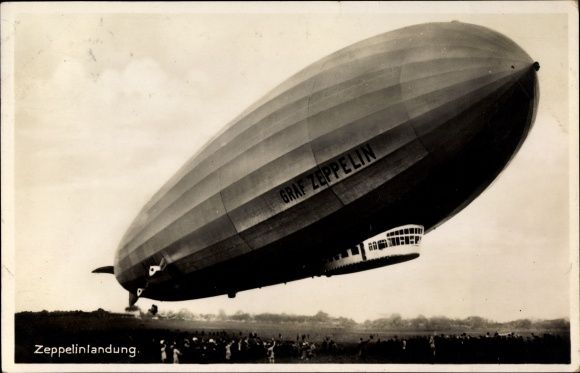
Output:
x=341 y=168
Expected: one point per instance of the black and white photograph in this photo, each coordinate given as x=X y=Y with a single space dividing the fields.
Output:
x=324 y=186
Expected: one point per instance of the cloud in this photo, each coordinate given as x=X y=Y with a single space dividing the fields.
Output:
x=138 y=117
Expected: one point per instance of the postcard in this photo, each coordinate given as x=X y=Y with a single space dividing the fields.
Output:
x=328 y=186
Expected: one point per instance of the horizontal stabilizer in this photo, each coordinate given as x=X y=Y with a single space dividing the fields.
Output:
x=105 y=269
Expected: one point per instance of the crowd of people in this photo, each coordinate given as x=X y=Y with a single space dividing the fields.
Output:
x=222 y=347
x=463 y=348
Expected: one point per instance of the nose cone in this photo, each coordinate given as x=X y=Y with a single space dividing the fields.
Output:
x=479 y=83
x=479 y=106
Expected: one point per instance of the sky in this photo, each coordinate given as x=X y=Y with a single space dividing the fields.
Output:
x=109 y=105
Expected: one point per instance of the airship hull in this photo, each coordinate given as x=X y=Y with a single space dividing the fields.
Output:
x=406 y=127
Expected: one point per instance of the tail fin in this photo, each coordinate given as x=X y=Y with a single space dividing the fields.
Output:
x=105 y=269
x=133 y=298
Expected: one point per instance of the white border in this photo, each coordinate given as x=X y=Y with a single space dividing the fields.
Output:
x=9 y=12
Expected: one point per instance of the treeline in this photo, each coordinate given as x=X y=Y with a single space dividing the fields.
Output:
x=318 y=318
x=393 y=322
x=76 y=313
x=472 y=323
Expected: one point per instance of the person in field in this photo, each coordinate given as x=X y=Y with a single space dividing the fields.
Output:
x=229 y=351
x=270 y=353
x=176 y=355
x=163 y=352
x=432 y=345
